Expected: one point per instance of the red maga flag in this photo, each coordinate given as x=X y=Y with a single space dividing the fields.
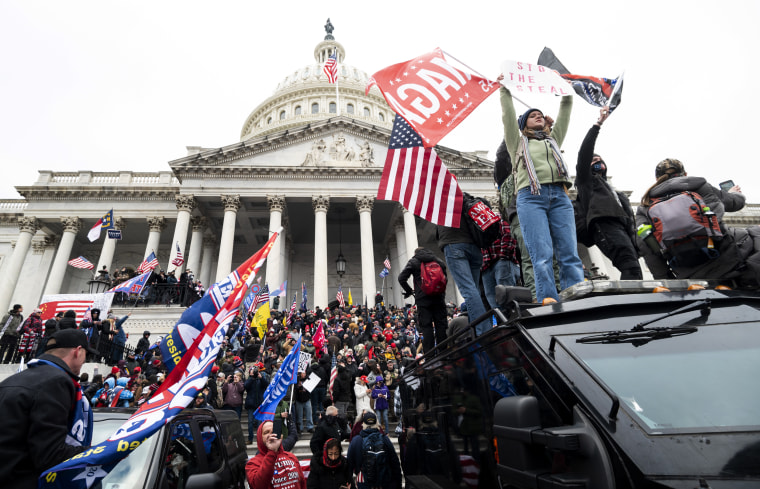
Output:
x=431 y=94
x=417 y=178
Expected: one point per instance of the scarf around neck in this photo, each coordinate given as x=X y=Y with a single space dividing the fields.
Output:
x=535 y=186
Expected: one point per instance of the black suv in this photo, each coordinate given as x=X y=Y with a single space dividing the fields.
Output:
x=200 y=448
x=614 y=387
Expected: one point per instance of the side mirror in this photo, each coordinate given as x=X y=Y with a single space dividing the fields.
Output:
x=204 y=481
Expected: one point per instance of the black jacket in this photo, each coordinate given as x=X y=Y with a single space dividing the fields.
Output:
x=344 y=386
x=413 y=268
x=326 y=429
x=322 y=477
x=39 y=401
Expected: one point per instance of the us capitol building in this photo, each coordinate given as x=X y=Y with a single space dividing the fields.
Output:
x=300 y=162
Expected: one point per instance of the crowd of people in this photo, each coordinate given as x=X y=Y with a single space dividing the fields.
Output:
x=162 y=287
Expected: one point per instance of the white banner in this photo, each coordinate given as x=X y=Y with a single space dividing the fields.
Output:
x=522 y=77
x=304 y=361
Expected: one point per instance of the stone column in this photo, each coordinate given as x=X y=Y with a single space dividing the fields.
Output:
x=109 y=248
x=224 y=265
x=196 y=243
x=28 y=227
x=208 y=257
x=398 y=293
x=320 y=203
x=185 y=205
x=403 y=257
x=410 y=231
x=71 y=226
x=276 y=205
x=156 y=224
x=369 y=285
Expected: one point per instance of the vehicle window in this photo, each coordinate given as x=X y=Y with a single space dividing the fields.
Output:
x=662 y=381
x=131 y=471
x=211 y=445
x=181 y=458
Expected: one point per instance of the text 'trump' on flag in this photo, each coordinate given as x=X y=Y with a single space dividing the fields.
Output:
x=417 y=178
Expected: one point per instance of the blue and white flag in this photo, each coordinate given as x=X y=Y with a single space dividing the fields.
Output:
x=133 y=285
x=282 y=291
x=384 y=273
x=285 y=376
x=105 y=222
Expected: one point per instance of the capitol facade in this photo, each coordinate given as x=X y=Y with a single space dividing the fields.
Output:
x=307 y=159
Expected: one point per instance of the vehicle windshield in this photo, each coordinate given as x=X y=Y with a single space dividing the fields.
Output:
x=131 y=471
x=706 y=381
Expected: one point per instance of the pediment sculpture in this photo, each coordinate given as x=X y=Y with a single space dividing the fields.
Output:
x=340 y=150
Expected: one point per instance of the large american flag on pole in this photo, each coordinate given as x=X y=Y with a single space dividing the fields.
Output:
x=81 y=262
x=333 y=374
x=331 y=67
x=149 y=263
x=417 y=178
x=339 y=296
x=179 y=259
x=292 y=310
x=261 y=297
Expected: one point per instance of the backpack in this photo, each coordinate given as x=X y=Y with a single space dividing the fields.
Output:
x=433 y=452
x=482 y=222
x=374 y=461
x=685 y=228
x=432 y=278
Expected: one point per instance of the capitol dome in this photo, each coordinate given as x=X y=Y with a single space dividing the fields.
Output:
x=305 y=95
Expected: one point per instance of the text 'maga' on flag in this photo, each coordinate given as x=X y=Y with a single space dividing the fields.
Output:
x=81 y=262
x=79 y=303
x=339 y=296
x=175 y=393
x=134 y=285
x=443 y=97
x=149 y=263
x=387 y=263
x=105 y=222
x=596 y=91
x=417 y=178
x=331 y=67
x=179 y=259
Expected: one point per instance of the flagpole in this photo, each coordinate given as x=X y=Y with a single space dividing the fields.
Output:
x=480 y=75
x=337 y=96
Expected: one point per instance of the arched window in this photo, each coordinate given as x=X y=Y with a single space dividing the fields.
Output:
x=298 y=110
x=315 y=108
x=282 y=115
x=366 y=112
x=350 y=108
x=269 y=120
x=381 y=116
x=333 y=108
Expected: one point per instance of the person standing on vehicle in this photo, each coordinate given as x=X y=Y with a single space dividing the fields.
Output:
x=273 y=467
x=48 y=418
x=372 y=458
x=431 y=309
x=607 y=212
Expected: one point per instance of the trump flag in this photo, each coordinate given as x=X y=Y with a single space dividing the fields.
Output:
x=287 y=374
x=431 y=94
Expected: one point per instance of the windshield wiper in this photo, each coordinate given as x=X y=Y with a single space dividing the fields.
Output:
x=639 y=335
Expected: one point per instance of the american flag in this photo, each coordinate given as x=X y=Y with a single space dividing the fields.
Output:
x=417 y=178
x=339 y=297
x=261 y=297
x=333 y=374
x=292 y=310
x=387 y=263
x=81 y=262
x=179 y=259
x=331 y=67
x=150 y=263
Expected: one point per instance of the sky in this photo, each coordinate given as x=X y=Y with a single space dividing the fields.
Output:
x=107 y=86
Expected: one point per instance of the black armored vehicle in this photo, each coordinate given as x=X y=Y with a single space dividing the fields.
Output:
x=630 y=384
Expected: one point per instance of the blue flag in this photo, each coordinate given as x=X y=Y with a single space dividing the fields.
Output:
x=133 y=285
x=281 y=291
x=286 y=375
x=303 y=293
x=384 y=273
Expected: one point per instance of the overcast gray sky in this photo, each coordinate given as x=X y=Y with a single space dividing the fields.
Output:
x=106 y=86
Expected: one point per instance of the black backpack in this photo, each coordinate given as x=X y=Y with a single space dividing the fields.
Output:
x=374 y=460
x=482 y=222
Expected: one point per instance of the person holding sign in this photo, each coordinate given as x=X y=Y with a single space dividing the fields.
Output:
x=542 y=179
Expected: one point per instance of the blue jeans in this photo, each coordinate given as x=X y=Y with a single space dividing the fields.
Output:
x=464 y=260
x=548 y=226
x=503 y=272
x=253 y=424
x=382 y=417
x=303 y=409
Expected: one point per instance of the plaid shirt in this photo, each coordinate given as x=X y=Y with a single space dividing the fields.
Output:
x=503 y=248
